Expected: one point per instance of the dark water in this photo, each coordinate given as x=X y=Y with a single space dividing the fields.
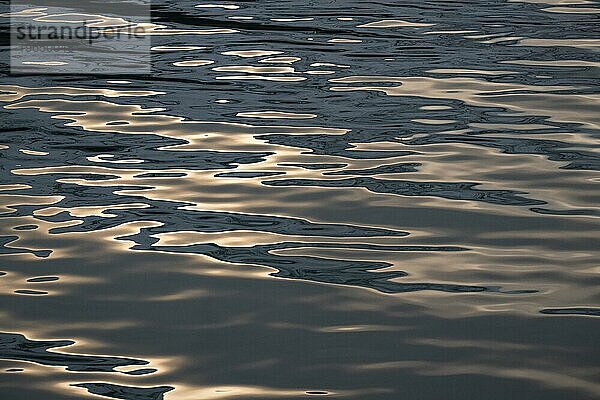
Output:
x=353 y=199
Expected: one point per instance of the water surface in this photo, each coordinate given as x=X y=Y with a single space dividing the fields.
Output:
x=349 y=199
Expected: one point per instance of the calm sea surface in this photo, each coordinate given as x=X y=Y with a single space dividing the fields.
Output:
x=349 y=199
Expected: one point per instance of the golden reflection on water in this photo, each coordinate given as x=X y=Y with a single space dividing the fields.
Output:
x=393 y=23
x=193 y=63
x=251 y=53
x=280 y=60
x=275 y=115
x=555 y=63
x=14 y=93
x=591 y=44
x=97 y=115
x=573 y=10
x=575 y=107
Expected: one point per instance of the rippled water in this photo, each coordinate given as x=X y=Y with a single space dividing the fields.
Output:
x=371 y=200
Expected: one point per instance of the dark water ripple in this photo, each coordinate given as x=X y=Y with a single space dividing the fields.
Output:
x=18 y=347
x=125 y=392
x=572 y=311
x=222 y=216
